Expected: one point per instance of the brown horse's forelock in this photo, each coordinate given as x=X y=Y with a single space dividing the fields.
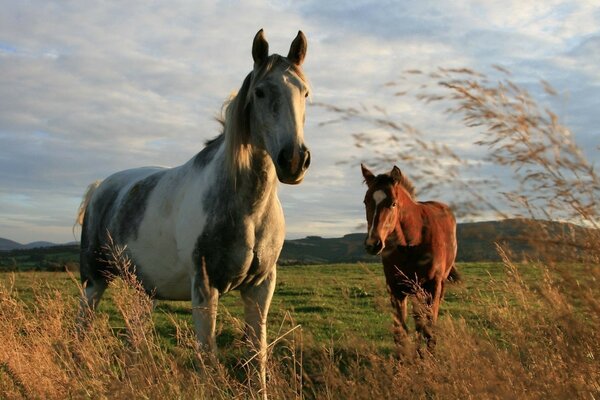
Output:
x=237 y=111
x=384 y=180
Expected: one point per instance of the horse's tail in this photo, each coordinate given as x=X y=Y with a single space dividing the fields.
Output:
x=84 y=203
x=454 y=276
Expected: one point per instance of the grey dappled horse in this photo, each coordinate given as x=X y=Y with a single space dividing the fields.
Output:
x=215 y=223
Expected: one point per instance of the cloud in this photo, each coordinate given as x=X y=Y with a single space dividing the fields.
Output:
x=90 y=88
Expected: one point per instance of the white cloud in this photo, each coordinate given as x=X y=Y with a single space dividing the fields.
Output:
x=90 y=88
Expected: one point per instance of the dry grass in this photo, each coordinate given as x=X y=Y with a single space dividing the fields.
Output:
x=538 y=341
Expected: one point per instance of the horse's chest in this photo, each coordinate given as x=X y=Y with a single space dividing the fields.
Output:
x=408 y=262
x=240 y=251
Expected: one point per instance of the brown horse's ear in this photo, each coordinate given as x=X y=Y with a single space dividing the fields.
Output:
x=368 y=175
x=396 y=174
x=260 y=49
x=298 y=49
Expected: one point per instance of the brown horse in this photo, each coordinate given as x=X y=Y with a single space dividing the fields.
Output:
x=417 y=243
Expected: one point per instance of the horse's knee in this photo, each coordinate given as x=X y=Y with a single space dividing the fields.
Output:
x=424 y=324
x=92 y=293
x=431 y=343
x=400 y=334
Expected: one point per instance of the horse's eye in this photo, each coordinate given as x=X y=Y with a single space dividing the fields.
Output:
x=393 y=204
x=306 y=94
x=259 y=93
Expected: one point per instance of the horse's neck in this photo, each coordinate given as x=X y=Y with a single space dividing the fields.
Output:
x=257 y=184
x=411 y=222
x=261 y=179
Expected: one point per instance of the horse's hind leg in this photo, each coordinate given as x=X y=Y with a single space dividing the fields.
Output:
x=436 y=299
x=92 y=293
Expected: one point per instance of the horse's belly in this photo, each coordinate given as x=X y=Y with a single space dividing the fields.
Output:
x=161 y=271
x=174 y=284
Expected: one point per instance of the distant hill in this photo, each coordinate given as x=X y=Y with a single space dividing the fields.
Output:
x=318 y=250
x=8 y=245
x=524 y=238
x=37 y=245
x=476 y=242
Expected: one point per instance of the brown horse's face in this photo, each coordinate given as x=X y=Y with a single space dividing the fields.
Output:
x=382 y=216
x=385 y=202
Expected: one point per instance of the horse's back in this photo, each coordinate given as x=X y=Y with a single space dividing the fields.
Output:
x=116 y=207
x=121 y=195
x=443 y=233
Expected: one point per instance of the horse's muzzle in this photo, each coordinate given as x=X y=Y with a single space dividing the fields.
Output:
x=292 y=165
x=373 y=246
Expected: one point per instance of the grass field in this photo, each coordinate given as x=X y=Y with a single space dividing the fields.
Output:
x=505 y=331
x=331 y=303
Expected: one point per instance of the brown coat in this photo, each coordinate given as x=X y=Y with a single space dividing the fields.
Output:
x=417 y=243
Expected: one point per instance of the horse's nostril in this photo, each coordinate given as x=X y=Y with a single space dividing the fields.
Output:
x=373 y=246
x=282 y=159
x=306 y=160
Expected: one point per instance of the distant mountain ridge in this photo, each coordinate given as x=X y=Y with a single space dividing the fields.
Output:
x=8 y=245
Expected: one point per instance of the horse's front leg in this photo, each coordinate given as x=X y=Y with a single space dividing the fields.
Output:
x=257 y=300
x=400 y=312
x=205 y=300
x=426 y=310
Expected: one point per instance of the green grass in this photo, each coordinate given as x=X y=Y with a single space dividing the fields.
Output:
x=340 y=303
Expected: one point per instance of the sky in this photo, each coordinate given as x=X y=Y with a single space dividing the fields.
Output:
x=91 y=88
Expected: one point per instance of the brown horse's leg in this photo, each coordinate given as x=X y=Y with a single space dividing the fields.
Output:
x=425 y=310
x=400 y=308
x=428 y=316
x=436 y=299
x=422 y=316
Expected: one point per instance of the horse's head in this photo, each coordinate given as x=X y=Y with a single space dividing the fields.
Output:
x=385 y=202
x=272 y=107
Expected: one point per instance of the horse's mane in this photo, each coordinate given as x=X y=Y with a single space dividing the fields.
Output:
x=408 y=186
x=235 y=114
x=402 y=180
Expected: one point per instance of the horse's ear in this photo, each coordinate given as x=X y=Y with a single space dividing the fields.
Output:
x=396 y=174
x=260 y=48
x=368 y=175
x=298 y=49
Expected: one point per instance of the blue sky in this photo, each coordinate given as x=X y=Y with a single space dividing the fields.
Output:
x=87 y=89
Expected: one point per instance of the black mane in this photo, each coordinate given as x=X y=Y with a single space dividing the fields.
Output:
x=207 y=153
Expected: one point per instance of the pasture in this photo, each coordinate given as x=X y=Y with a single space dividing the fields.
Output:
x=505 y=331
